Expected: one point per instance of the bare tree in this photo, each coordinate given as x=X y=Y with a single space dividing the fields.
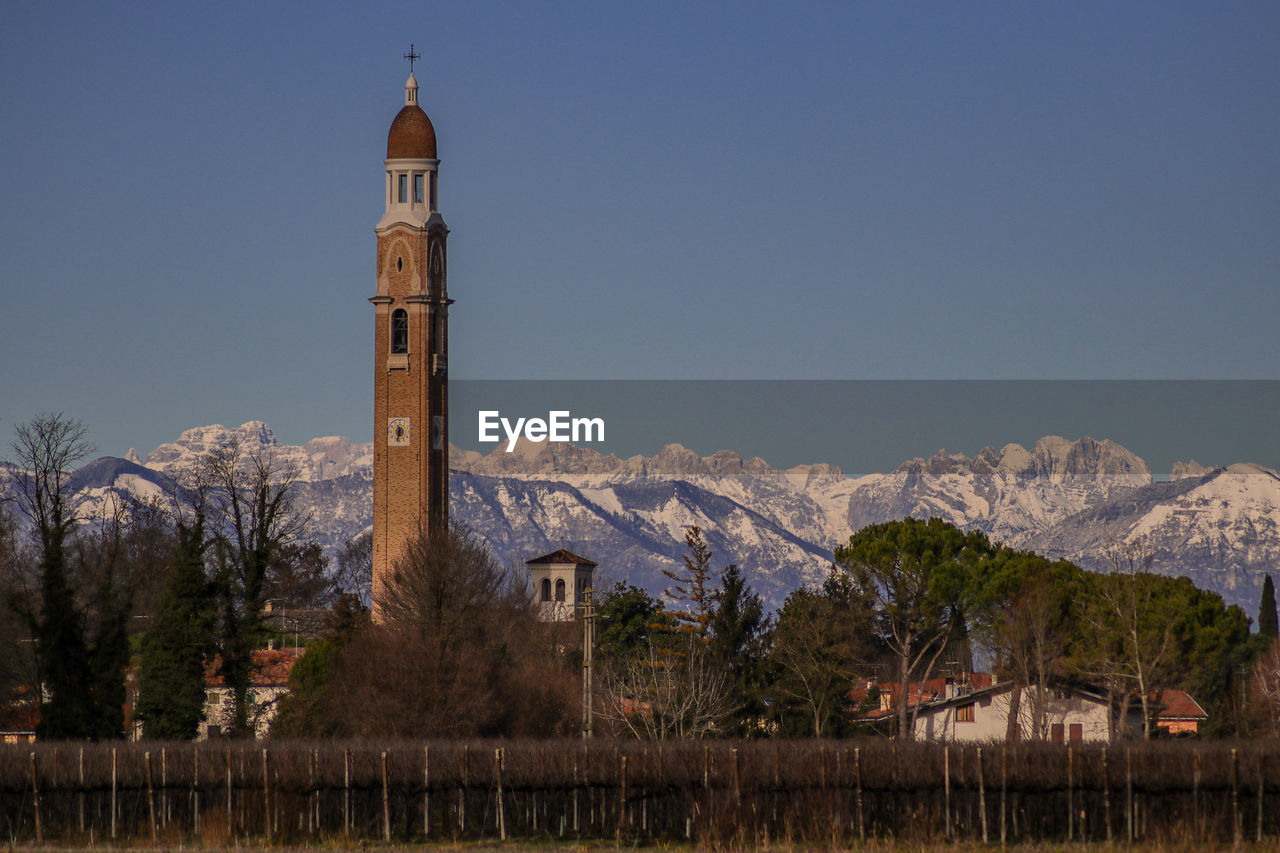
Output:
x=354 y=575
x=459 y=653
x=1133 y=627
x=1266 y=683
x=45 y=450
x=254 y=519
x=677 y=690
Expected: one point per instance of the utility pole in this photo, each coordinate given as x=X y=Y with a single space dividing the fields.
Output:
x=588 y=640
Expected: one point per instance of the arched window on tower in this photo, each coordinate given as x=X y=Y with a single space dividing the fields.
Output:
x=399 y=331
x=546 y=589
x=560 y=589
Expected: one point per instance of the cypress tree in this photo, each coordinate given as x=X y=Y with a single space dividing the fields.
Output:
x=1268 y=626
x=62 y=654
x=171 y=686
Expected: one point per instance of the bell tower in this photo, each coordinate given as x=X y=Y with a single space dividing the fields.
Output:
x=411 y=345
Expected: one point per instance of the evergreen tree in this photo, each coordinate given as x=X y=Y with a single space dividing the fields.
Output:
x=738 y=627
x=171 y=686
x=1268 y=625
x=695 y=586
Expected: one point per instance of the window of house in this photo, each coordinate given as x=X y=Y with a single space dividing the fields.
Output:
x=417 y=188
x=560 y=589
x=404 y=188
x=1057 y=733
x=399 y=331
x=546 y=589
x=1076 y=732
x=964 y=713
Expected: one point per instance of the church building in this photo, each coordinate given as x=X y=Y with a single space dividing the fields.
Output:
x=411 y=345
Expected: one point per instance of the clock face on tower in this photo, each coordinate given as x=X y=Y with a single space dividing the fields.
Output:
x=398 y=432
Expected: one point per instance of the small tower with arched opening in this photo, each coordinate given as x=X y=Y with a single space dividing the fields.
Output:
x=559 y=582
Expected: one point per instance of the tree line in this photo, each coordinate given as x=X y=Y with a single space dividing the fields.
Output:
x=178 y=586
x=911 y=600
x=175 y=586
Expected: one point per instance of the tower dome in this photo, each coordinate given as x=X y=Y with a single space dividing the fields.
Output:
x=411 y=136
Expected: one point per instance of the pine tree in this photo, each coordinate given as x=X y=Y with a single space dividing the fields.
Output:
x=171 y=686
x=695 y=586
x=737 y=644
x=1268 y=624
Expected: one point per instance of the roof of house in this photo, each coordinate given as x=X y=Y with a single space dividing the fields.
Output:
x=1179 y=705
x=271 y=667
x=921 y=692
x=560 y=557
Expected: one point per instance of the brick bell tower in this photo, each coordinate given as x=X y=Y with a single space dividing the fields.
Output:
x=411 y=346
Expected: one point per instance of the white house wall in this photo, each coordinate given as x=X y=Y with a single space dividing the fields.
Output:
x=991 y=713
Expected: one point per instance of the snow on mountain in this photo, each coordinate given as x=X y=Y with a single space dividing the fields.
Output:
x=319 y=459
x=1064 y=498
x=1220 y=529
x=1012 y=495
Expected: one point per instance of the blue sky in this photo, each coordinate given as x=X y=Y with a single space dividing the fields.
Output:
x=1005 y=190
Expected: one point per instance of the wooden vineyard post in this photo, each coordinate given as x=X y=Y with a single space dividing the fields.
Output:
x=1004 y=789
x=346 y=791
x=386 y=802
x=1106 y=793
x=1235 y=797
x=1128 y=792
x=982 y=798
x=857 y=781
x=502 y=815
x=737 y=785
x=266 y=796
x=80 y=796
x=575 y=792
x=1070 y=806
x=114 y=788
x=151 y=798
x=230 y=804
x=35 y=795
x=313 y=814
x=195 y=791
x=1261 y=787
x=462 y=789
x=622 y=798
x=426 y=792
x=164 y=787
x=1195 y=794
x=946 y=788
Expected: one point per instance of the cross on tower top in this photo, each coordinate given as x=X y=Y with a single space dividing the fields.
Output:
x=412 y=57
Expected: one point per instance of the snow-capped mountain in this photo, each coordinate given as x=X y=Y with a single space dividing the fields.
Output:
x=1076 y=499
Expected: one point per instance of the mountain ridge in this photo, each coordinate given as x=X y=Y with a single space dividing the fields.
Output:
x=1078 y=499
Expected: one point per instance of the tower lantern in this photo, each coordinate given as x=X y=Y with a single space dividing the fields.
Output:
x=411 y=345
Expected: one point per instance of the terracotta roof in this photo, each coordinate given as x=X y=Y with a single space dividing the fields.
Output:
x=917 y=692
x=558 y=557
x=411 y=135
x=271 y=667
x=1178 y=704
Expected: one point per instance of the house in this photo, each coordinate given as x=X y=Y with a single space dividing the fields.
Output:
x=1179 y=713
x=19 y=717
x=1072 y=715
x=976 y=708
x=268 y=683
